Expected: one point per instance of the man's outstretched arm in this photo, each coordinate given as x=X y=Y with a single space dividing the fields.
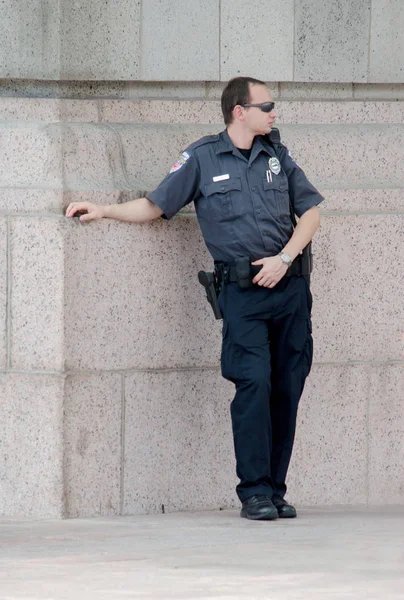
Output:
x=140 y=210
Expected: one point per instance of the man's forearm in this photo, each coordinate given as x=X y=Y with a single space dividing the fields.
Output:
x=140 y=210
x=307 y=226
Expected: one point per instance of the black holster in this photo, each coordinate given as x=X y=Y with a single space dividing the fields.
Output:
x=212 y=287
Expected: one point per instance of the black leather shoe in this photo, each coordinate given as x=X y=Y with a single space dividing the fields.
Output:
x=259 y=508
x=285 y=510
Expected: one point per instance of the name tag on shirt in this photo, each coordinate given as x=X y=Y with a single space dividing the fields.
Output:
x=221 y=177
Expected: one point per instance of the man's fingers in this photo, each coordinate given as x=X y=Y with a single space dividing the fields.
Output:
x=74 y=207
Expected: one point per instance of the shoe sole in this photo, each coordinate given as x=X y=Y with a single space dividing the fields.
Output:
x=287 y=516
x=269 y=516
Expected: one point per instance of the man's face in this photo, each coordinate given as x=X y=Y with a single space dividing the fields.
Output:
x=255 y=119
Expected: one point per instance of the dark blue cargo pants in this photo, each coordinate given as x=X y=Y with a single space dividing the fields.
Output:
x=267 y=353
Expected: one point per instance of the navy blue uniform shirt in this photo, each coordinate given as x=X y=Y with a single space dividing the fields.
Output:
x=242 y=210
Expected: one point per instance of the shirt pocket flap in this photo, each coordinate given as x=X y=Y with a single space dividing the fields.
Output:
x=222 y=187
x=277 y=183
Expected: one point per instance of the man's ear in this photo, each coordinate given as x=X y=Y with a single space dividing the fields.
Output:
x=238 y=112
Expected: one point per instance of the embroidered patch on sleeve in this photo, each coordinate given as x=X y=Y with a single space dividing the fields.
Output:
x=181 y=161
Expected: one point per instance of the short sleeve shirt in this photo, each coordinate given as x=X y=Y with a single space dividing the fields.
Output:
x=243 y=207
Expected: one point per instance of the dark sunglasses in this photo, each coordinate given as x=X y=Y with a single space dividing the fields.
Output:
x=265 y=106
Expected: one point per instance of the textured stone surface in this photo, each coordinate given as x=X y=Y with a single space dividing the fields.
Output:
x=386 y=432
x=100 y=40
x=3 y=292
x=178 y=442
x=329 y=460
x=357 y=156
x=37 y=288
x=62 y=89
x=386 y=42
x=174 y=33
x=29 y=33
x=92 y=444
x=315 y=91
x=331 y=42
x=363 y=200
x=161 y=111
x=160 y=89
x=357 y=288
x=133 y=299
x=47 y=109
x=31 y=155
x=26 y=200
x=92 y=158
x=263 y=50
x=31 y=409
x=381 y=91
x=327 y=113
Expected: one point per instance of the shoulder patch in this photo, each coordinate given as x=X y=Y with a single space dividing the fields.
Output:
x=180 y=162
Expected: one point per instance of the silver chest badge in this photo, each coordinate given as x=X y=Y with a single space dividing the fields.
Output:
x=274 y=165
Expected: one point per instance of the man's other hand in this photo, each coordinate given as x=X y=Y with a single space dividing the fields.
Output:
x=273 y=269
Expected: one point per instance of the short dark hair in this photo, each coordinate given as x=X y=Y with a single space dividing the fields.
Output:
x=237 y=91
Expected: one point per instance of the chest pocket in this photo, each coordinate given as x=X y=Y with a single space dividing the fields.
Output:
x=277 y=193
x=224 y=199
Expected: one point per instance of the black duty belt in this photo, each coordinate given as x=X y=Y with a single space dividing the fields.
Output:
x=230 y=274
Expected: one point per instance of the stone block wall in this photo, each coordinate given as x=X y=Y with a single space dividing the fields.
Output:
x=111 y=396
x=212 y=40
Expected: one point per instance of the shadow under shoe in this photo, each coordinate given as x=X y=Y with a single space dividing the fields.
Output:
x=284 y=509
x=259 y=508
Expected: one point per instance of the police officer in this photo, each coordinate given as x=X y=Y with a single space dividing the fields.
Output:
x=242 y=186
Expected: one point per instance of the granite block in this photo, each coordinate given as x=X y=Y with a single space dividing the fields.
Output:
x=160 y=89
x=176 y=33
x=352 y=156
x=384 y=200
x=386 y=58
x=31 y=155
x=331 y=44
x=357 y=288
x=48 y=109
x=92 y=444
x=373 y=91
x=62 y=89
x=329 y=462
x=133 y=299
x=328 y=113
x=29 y=33
x=93 y=158
x=31 y=446
x=254 y=45
x=315 y=91
x=100 y=40
x=178 y=442
x=26 y=200
x=37 y=289
x=161 y=111
x=386 y=433
x=3 y=292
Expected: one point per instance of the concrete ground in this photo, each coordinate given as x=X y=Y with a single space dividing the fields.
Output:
x=324 y=553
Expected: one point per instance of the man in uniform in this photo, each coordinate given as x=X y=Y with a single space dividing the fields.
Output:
x=243 y=186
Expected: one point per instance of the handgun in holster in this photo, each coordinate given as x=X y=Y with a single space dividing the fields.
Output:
x=210 y=283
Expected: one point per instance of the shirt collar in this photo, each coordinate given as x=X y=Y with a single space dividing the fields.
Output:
x=226 y=145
